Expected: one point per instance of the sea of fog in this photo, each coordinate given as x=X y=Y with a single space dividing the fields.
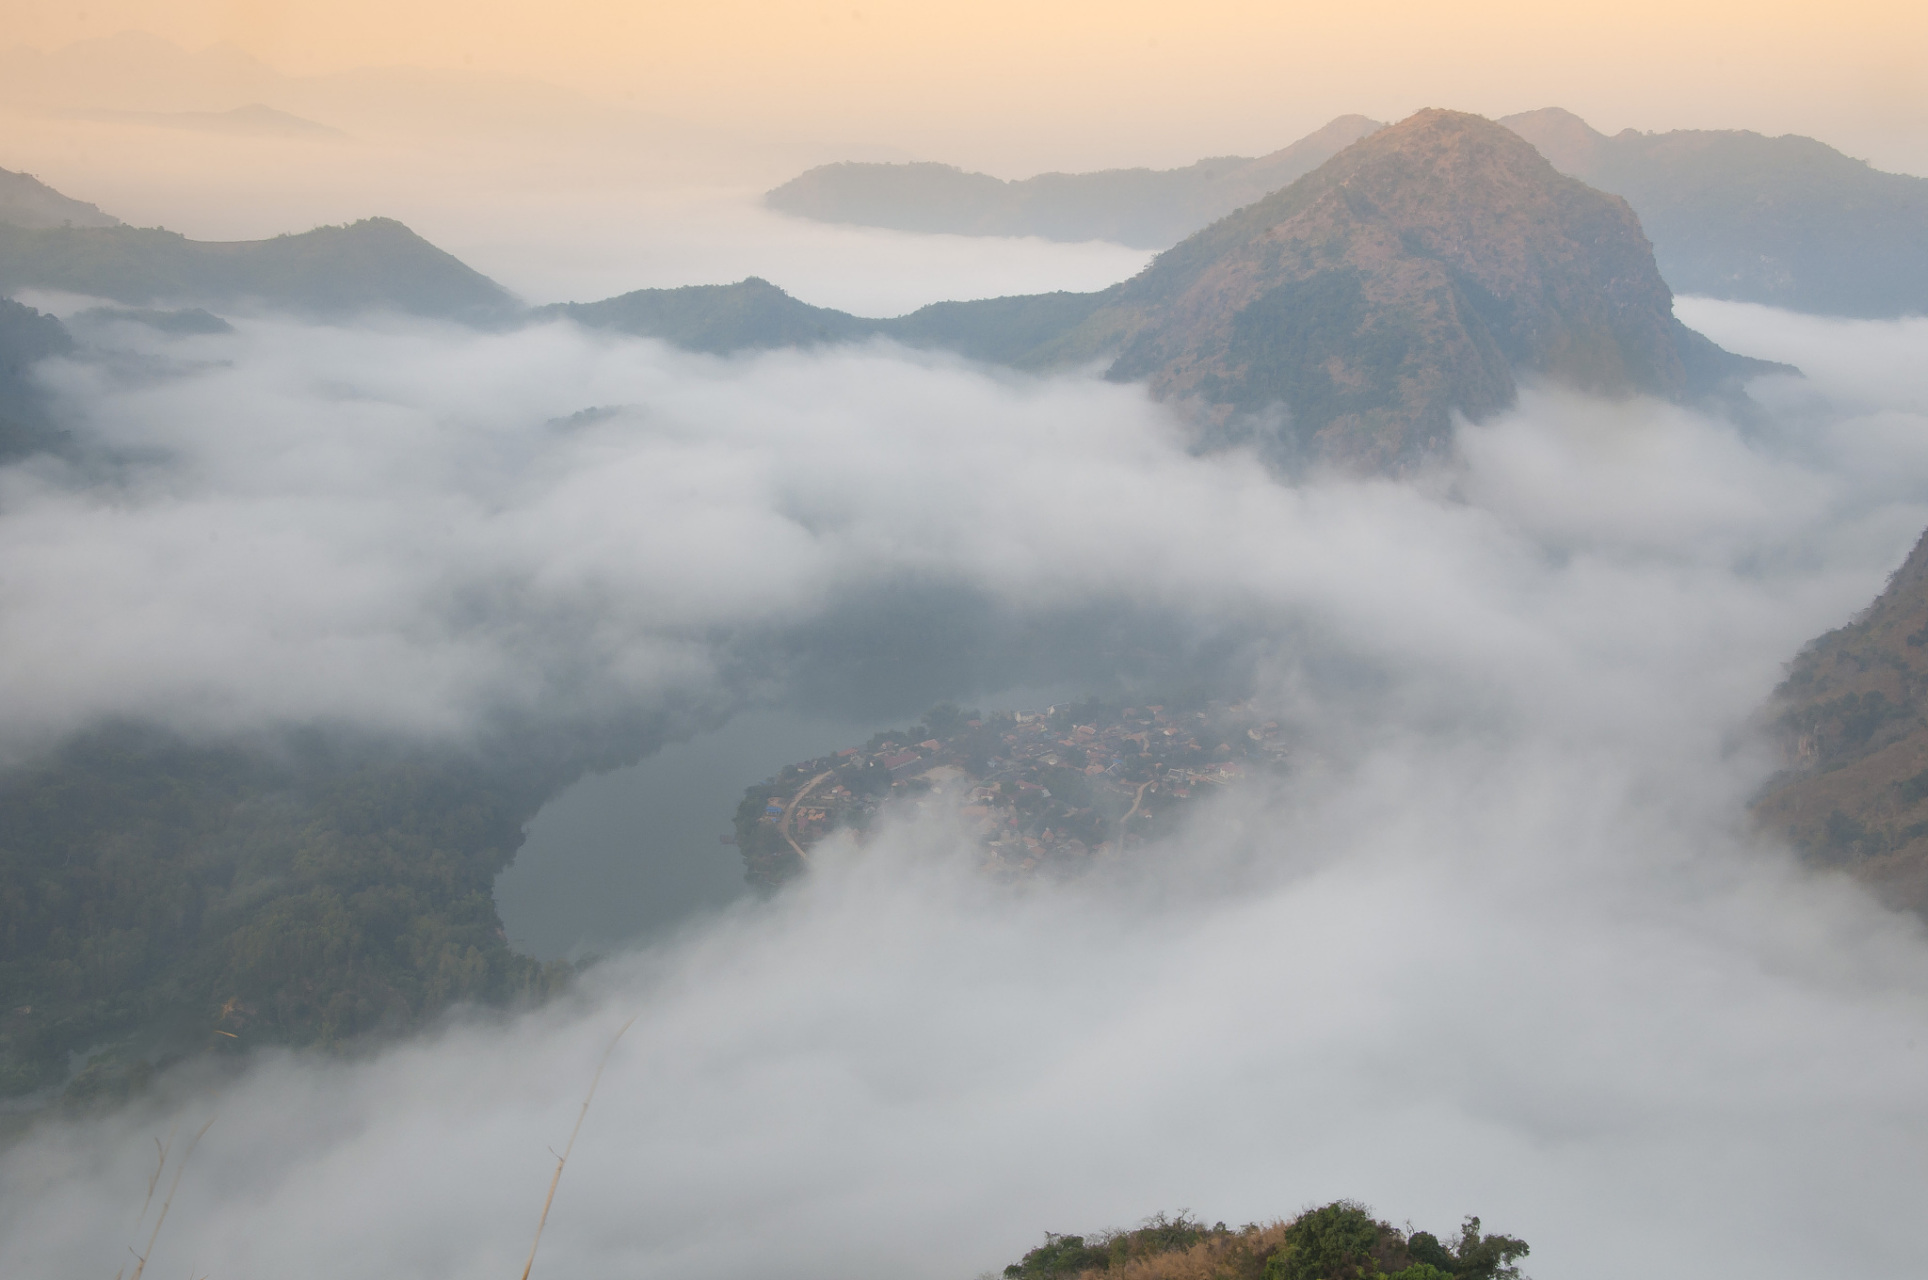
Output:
x=1501 y=944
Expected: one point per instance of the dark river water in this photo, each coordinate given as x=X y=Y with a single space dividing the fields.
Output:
x=622 y=857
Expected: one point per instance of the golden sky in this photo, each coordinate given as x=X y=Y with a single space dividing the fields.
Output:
x=1077 y=82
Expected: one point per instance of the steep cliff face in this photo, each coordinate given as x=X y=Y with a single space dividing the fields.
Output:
x=1406 y=280
x=1853 y=720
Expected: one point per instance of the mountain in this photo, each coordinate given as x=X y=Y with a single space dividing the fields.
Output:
x=1407 y=279
x=753 y=315
x=254 y=120
x=374 y=264
x=1852 y=718
x=1349 y=317
x=25 y=201
x=1786 y=221
x=718 y=318
x=1145 y=208
x=26 y=336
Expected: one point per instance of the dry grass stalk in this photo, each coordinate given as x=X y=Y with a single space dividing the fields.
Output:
x=160 y=1150
x=1239 y=1255
x=140 y=1259
x=563 y=1159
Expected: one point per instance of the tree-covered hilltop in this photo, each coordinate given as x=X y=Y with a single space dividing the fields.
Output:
x=162 y=898
x=1339 y=1241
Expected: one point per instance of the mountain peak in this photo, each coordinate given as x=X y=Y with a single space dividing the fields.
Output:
x=1408 y=279
x=1573 y=145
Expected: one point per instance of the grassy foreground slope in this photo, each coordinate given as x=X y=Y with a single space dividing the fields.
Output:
x=1338 y=1241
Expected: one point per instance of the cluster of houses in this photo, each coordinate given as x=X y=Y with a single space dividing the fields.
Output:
x=1047 y=790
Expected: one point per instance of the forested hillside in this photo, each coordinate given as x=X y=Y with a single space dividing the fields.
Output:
x=160 y=898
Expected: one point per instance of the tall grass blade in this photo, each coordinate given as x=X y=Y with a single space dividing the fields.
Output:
x=562 y=1159
x=140 y=1263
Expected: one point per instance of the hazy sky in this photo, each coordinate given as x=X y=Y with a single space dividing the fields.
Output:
x=1018 y=86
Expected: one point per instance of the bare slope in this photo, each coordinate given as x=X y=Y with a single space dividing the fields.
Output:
x=1853 y=719
x=1787 y=221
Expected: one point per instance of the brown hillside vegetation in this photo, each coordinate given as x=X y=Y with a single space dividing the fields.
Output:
x=1407 y=279
x=1338 y=1241
x=1853 y=720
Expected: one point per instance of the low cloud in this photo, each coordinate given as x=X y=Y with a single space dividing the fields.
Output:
x=1501 y=946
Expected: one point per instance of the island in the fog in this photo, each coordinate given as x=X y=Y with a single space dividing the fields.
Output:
x=1035 y=791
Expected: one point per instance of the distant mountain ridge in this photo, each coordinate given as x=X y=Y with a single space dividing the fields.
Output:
x=1344 y=320
x=1144 y=208
x=1786 y=221
x=254 y=118
x=1349 y=317
x=374 y=264
x=25 y=201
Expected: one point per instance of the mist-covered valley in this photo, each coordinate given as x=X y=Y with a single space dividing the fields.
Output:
x=1503 y=941
x=412 y=690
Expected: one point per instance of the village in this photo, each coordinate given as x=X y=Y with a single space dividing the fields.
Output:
x=1041 y=791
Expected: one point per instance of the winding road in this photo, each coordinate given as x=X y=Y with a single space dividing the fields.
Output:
x=783 y=823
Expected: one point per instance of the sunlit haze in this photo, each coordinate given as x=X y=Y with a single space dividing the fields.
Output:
x=1379 y=676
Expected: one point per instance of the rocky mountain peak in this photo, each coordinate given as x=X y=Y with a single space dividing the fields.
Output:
x=1412 y=277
